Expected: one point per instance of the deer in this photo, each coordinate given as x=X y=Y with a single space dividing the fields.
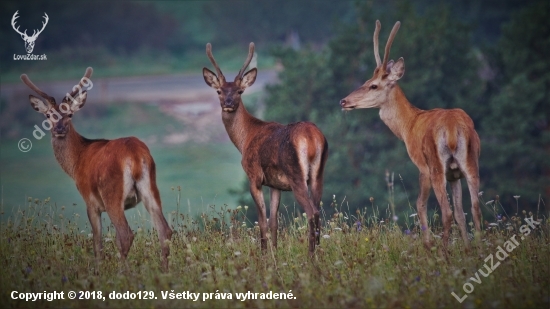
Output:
x=29 y=40
x=442 y=143
x=110 y=175
x=282 y=157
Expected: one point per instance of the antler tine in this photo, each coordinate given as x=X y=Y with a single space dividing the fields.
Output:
x=375 y=40
x=211 y=57
x=247 y=61
x=87 y=75
x=30 y=84
x=388 y=44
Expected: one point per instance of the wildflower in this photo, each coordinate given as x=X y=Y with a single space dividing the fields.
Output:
x=239 y=207
x=108 y=239
x=407 y=232
x=517 y=196
x=489 y=202
x=366 y=239
x=63 y=279
x=358 y=224
x=499 y=217
x=413 y=215
x=337 y=229
x=326 y=236
x=28 y=270
x=417 y=278
x=394 y=218
x=245 y=207
x=339 y=262
x=480 y=193
x=424 y=228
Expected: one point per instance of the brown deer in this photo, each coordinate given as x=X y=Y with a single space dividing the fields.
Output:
x=281 y=157
x=442 y=143
x=111 y=175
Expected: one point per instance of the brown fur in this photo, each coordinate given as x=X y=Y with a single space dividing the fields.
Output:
x=442 y=143
x=111 y=175
x=281 y=157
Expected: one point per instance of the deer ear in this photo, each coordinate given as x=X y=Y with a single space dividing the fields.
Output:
x=249 y=78
x=79 y=101
x=396 y=70
x=39 y=105
x=210 y=78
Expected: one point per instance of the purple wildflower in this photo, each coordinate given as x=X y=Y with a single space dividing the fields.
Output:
x=417 y=278
x=424 y=228
x=358 y=224
x=408 y=232
x=28 y=270
x=63 y=279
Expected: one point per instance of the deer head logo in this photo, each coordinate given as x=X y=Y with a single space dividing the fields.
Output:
x=29 y=40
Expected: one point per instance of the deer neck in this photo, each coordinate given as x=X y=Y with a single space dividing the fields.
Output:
x=239 y=125
x=398 y=113
x=68 y=150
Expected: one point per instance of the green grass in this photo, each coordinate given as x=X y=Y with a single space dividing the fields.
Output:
x=378 y=266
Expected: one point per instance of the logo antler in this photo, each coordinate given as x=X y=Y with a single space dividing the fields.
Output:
x=29 y=40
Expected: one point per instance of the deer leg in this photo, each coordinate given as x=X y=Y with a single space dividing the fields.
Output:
x=258 y=196
x=151 y=200
x=422 y=208
x=459 y=211
x=124 y=235
x=439 y=184
x=473 y=186
x=275 y=198
x=94 y=215
x=316 y=194
x=301 y=195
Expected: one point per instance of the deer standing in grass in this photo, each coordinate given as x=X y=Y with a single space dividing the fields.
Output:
x=442 y=143
x=111 y=175
x=281 y=157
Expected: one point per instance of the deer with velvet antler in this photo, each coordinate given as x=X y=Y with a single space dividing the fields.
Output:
x=282 y=157
x=442 y=143
x=110 y=175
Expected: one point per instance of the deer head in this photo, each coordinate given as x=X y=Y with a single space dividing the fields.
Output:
x=374 y=92
x=230 y=93
x=59 y=115
x=29 y=40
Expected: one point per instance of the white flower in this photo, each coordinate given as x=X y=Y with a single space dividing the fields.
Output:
x=326 y=236
x=237 y=253
x=108 y=239
x=517 y=196
x=489 y=202
x=413 y=215
x=339 y=262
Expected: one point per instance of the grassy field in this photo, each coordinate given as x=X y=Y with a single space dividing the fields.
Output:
x=361 y=263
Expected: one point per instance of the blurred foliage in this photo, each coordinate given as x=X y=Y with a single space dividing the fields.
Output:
x=503 y=87
x=517 y=125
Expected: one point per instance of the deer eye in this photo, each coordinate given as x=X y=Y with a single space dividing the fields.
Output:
x=70 y=115
x=48 y=115
x=240 y=92
x=218 y=91
x=373 y=87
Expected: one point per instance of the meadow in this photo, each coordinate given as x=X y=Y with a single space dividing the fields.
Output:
x=365 y=260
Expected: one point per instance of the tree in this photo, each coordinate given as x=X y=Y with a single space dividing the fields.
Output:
x=516 y=129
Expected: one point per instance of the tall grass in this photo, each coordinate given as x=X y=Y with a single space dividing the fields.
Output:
x=365 y=261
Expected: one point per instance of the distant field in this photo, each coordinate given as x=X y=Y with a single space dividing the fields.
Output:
x=204 y=172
